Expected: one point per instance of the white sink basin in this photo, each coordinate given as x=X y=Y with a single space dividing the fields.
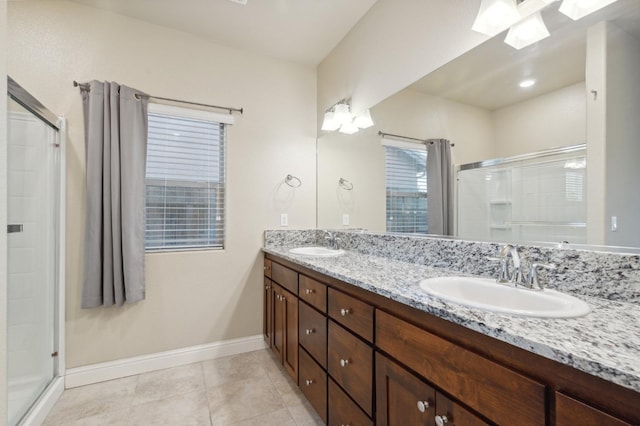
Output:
x=316 y=251
x=486 y=294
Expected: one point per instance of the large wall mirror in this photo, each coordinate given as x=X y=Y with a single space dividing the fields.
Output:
x=555 y=161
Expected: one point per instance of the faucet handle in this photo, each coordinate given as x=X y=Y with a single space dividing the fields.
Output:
x=532 y=278
x=503 y=275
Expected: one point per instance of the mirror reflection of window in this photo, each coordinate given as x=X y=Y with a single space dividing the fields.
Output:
x=406 y=189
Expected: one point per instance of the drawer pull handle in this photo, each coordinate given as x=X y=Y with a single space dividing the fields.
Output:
x=309 y=291
x=422 y=406
x=344 y=362
x=310 y=331
x=309 y=382
x=441 y=420
x=345 y=311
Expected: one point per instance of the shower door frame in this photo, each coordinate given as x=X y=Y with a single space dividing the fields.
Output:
x=43 y=404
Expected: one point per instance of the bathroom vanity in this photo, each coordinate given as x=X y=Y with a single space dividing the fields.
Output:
x=365 y=349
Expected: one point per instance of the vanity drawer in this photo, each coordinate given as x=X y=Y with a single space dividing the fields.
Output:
x=313 y=332
x=284 y=276
x=313 y=383
x=357 y=316
x=343 y=411
x=572 y=412
x=267 y=268
x=314 y=293
x=499 y=393
x=350 y=364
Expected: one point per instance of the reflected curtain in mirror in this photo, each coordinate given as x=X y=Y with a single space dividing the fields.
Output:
x=115 y=123
x=439 y=187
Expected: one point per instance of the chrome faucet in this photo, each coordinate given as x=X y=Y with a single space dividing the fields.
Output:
x=516 y=277
x=332 y=240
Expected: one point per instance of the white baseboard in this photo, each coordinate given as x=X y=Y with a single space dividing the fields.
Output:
x=44 y=404
x=104 y=371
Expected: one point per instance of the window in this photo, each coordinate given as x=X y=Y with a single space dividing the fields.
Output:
x=406 y=184
x=185 y=179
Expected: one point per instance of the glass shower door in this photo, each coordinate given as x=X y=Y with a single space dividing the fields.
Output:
x=32 y=271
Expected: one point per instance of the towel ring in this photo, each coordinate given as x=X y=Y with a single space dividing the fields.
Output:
x=345 y=184
x=291 y=181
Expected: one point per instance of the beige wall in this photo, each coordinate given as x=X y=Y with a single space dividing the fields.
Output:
x=395 y=44
x=548 y=121
x=3 y=212
x=360 y=158
x=194 y=297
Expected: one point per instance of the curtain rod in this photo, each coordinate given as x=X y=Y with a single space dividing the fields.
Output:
x=424 y=141
x=138 y=96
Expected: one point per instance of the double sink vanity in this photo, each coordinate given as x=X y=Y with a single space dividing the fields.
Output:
x=399 y=330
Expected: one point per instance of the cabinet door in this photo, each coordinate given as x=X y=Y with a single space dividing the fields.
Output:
x=572 y=412
x=402 y=398
x=277 y=318
x=450 y=413
x=289 y=308
x=267 y=312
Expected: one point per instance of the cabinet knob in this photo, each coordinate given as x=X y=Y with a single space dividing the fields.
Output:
x=309 y=382
x=309 y=291
x=268 y=287
x=345 y=311
x=344 y=362
x=423 y=405
x=310 y=331
x=264 y=267
x=441 y=420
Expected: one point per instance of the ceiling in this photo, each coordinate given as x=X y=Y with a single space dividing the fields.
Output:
x=301 y=31
x=488 y=76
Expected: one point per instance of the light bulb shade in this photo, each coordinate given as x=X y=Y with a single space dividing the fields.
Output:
x=363 y=120
x=576 y=9
x=349 y=128
x=329 y=123
x=496 y=16
x=342 y=114
x=527 y=32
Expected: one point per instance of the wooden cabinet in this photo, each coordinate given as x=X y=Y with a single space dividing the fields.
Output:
x=313 y=383
x=426 y=368
x=401 y=397
x=405 y=399
x=312 y=332
x=498 y=393
x=285 y=329
x=343 y=411
x=350 y=364
x=267 y=311
x=570 y=411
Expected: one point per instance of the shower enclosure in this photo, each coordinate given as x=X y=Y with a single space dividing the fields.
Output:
x=533 y=197
x=34 y=254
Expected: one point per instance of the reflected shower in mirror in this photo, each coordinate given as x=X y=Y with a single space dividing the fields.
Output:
x=580 y=86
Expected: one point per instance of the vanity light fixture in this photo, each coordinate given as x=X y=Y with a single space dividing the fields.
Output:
x=527 y=83
x=527 y=31
x=576 y=9
x=339 y=116
x=495 y=16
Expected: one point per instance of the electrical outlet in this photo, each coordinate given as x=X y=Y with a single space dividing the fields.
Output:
x=345 y=219
x=614 y=223
x=284 y=219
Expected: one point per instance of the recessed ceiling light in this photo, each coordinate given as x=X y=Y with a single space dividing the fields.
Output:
x=527 y=83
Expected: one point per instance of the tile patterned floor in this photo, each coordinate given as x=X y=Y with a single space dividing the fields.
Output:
x=245 y=389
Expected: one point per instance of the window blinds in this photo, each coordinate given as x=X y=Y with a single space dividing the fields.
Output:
x=406 y=185
x=185 y=183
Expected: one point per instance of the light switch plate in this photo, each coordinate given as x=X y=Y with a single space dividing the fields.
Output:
x=284 y=219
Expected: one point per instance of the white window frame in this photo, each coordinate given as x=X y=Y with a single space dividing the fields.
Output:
x=189 y=113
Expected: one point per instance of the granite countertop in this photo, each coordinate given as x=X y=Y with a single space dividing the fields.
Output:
x=605 y=343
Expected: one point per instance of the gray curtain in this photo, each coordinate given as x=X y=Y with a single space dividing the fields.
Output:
x=439 y=187
x=115 y=124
